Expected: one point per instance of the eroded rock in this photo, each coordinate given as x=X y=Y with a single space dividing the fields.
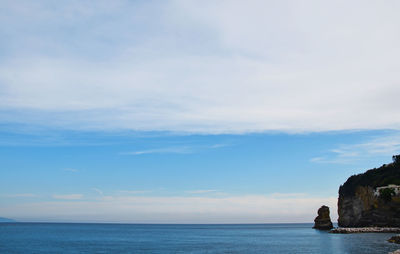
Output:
x=323 y=220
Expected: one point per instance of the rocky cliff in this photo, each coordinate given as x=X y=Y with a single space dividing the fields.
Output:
x=371 y=198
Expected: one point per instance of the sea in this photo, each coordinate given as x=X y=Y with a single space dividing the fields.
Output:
x=167 y=238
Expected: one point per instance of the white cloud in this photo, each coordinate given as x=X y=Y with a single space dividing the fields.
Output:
x=230 y=209
x=68 y=196
x=206 y=67
x=386 y=145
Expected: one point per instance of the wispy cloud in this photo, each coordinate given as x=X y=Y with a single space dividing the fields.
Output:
x=74 y=170
x=187 y=149
x=100 y=192
x=201 y=191
x=68 y=196
x=218 y=145
x=177 y=150
x=20 y=195
x=134 y=192
x=387 y=145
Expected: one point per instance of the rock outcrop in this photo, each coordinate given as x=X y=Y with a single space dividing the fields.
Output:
x=395 y=239
x=323 y=220
x=371 y=199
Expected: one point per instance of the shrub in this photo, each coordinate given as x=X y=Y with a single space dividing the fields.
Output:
x=386 y=194
x=396 y=159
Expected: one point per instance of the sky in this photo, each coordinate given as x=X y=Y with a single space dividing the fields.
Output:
x=193 y=111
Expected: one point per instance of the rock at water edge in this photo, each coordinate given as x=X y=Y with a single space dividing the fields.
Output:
x=394 y=239
x=323 y=220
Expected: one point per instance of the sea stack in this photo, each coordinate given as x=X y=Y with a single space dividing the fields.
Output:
x=323 y=220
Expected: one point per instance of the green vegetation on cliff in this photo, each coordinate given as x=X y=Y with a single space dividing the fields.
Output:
x=382 y=176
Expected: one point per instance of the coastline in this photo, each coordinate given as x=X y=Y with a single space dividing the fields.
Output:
x=365 y=230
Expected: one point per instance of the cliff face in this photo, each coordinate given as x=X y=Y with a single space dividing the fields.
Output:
x=361 y=204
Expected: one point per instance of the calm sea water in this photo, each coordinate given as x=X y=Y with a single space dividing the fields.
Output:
x=138 y=238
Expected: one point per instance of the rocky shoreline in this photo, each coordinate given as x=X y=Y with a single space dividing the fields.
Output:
x=365 y=230
x=393 y=239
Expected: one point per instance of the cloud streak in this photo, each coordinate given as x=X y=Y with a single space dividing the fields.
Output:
x=188 y=149
x=20 y=195
x=100 y=192
x=71 y=170
x=134 y=192
x=201 y=191
x=68 y=196
x=176 y=150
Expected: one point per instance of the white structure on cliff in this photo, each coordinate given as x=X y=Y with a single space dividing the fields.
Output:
x=396 y=189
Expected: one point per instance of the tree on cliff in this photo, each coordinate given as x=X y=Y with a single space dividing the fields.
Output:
x=386 y=194
x=396 y=159
x=382 y=176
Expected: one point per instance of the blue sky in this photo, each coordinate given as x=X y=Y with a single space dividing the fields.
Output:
x=53 y=175
x=192 y=111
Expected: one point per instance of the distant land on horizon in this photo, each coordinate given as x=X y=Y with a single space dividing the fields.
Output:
x=2 y=219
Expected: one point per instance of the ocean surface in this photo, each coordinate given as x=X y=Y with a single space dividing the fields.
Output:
x=151 y=238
